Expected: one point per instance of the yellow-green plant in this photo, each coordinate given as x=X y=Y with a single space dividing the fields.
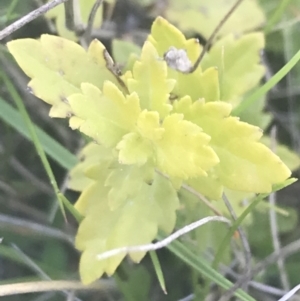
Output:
x=153 y=129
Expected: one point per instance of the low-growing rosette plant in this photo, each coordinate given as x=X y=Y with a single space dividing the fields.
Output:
x=152 y=129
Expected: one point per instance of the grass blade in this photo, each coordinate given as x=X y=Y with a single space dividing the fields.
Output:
x=267 y=86
x=158 y=271
x=54 y=150
x=205 y=269
x=240 y=219
x=276 y=16
x=39 y=148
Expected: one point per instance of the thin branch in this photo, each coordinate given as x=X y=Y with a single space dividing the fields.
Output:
x=254 y=284
x=286 y=251
x=7 y=189
x=225 y=270
x=69 y=15
x=45 y=296
x=257 y=286
x=286 y=24
x=267 y=289
x=29 y=176
x=202 y=198
x=288 y=49
x=247 y=250
x=54 y=285
x=188 y=298
x=55 y=206
x=195 y=193
x=32 y=265
x=290 y=293
x=73 y=17
x=213 y=35
x=63 y=186
x=163 y=243
x=37 y=229
x=71 y=296
x=18 y=205
x=273 y=225
x=29 y=17
x=88 y=31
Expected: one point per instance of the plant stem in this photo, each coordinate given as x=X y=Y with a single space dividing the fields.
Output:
x=29 y=17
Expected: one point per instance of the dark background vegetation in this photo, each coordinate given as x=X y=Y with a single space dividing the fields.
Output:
x=36 y=241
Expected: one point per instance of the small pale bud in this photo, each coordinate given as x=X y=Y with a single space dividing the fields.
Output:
x=177 y=59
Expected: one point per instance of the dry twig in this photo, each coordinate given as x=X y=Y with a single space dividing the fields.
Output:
x=163 y=243
x=54 y=285
x=29 y=17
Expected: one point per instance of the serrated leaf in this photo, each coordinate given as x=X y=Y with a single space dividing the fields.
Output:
x=255 y=115
x=85 y=7
x=137 y=148
x=238 y=62
x=166 y=197
x=91 y=155
x=289 y=157
x=57 y=68
x=92 y=194
x=203 y=16
x=183 y=151
x=135 y=222
x=197 y=84
x=245 y=164
x=179 y=147
x=123 y=190
x=164 y=35
x=106 y=116
x=149 y=125
x=134 y=149
x=150 y=81
x=210 y=186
